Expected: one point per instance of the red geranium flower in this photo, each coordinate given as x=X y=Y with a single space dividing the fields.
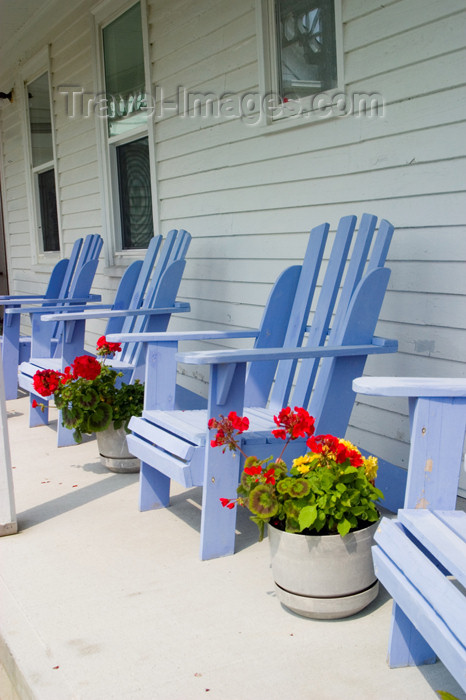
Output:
x=86 y=366
x=46 y=381
x=355 y=458
x=252 y=471
x=106 y=348
x=293 y=424
x=226 y=427
x=67 y=374
x=227 y=503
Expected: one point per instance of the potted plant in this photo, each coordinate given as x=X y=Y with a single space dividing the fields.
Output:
x=321 y=514
x=92 y=400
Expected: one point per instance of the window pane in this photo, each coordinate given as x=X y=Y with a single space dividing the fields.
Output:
x=48 y=210
x=135 y=194
x=306 y=46
x=124 y=71
x=40 y=120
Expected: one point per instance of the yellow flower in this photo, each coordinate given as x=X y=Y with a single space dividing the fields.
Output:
x=349 y=445
x=370 y=467
x=302 y=463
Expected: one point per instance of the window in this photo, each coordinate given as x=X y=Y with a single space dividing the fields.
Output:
x=127 y=137
x=124 y=71
x=306 y=47
x=135 y=193
x=301 y=44
x=43 y=163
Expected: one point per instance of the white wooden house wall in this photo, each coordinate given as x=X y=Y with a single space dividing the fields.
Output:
x=249 y=195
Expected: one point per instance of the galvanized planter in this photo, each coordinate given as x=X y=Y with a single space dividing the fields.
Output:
x=114 y=453
x=324 y=576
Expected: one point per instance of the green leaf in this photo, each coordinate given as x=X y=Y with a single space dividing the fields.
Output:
x=446 y=696
x=59 y=402
x=307 y=516
x=343 y=527
x=260 y=522
x=100 y=418
x=351 y=470
x=71 y=416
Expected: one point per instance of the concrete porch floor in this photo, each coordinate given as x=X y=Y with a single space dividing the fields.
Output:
x=101 y=602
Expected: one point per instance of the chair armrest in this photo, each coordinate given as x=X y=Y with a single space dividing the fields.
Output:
x=410 y=386
x=173 y=336
x=92 y=313
x=12 y=301
x=57 y=305
x=385 y=342
x=210 y=357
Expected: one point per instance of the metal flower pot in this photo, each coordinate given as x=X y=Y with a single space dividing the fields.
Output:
x=324 y=576
x=114 y=453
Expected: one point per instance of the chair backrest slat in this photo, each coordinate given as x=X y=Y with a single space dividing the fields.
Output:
x=71 y=263
x=133 y=287
x=165 y=297
x=175 y=248
x=42 y=333
x=80 y=256
x=124 y=292
x=272 y=335
x=358 y=267
x=58 y=281
x=137 y=298
x=91 y=249
x=381 y=245
x=321 y=317
x=333 y=397
x=285 y=317
x=347 y=266
x=165 y=257
x=355 y=269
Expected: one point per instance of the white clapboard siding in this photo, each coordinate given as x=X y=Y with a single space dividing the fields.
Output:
x=402 y=117
x=192 y=48
x=407 y=180
x=358 y=8
x=76 y=139
x=422 y=44
x=386 y=21
x=447 y=142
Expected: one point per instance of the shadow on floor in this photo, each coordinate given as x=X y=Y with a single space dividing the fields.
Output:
x=188 y=507
x=75 y=499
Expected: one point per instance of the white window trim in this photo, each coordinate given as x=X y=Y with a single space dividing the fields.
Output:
x=268 y=64
x=105 y=13
x=34 y=68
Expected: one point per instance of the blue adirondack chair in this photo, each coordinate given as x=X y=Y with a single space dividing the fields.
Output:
x=145 y=299
x=69 y=284
x=415 y=553
x=174 y=444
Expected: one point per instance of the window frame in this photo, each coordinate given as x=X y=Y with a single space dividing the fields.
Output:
x=104 y=14
x=269 y=73
x=33 y=69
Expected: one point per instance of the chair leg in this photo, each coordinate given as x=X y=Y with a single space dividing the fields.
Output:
x=154 y=488
x=38 y=415
x=407 y=647
x=10 y=354
x=64 y=435
x=218 y=523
